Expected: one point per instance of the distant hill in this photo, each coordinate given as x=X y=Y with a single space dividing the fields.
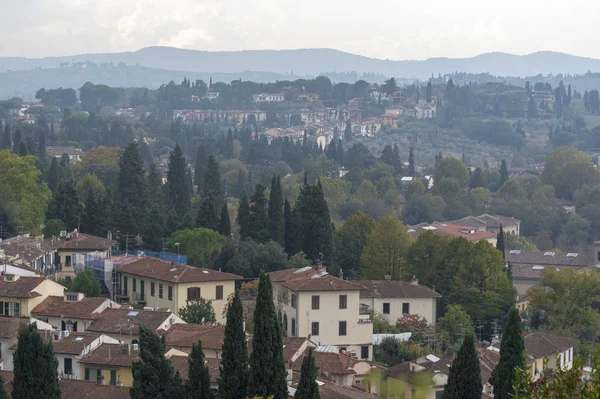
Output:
x=311 y=62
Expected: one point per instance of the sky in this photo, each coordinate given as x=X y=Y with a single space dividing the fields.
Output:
x=388 y=29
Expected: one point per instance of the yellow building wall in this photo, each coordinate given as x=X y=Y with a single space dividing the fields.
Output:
x=424 y=307
x=45 y=289
x=125 y=373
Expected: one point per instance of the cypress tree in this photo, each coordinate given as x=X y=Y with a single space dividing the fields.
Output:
x=500 y=241
x=316 y=223
x=233 y=371
x=340 y=153
x=241 y=183
x=267 y=367
x=464 y=381
x=411 y=162
x=154 y=230
x=198 y=383
x=23 y=151
x=224 y=222
x=17 y=141
x=258 y=225
x=292 y=230
x=6 y=142
x=276 y=219
x=35 y=367
x=348 y=132
x=65 y=205
x=154 y=375
x=207 y=215
x=93 y=217
x=229 y=144
x=201 y=158
x=428 y=92
x=132 y=187
x=3 y=393
x=243 y=216
x=53 y=175
x=52 y=136
x=212 y=182
x=177 y=187
x=512 y=356
x=477 y=179
x=41 y=150
x=307 y=386
x=503 y=173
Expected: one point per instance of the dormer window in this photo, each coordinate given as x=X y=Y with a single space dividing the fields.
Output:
x=71 y=298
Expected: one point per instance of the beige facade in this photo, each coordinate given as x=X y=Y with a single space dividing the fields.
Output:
x=394 y=308
x=169 y=295
x=25 y=303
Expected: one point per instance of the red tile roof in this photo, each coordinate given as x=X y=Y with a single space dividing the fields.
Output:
x=86 y=242
x=310 y=279
x=56 y=306
x=23 y=287
x=121 y=355
x=395 y=289
x=10 y=326
x=185 y=335
x=127 y=321
x=75 y=343
x=173 y=272
x=181 y=363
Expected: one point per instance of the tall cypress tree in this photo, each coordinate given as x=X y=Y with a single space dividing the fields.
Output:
x=154 y=375
x=258 y=226
x=411 y=162
x=224 y=222
x=317 y=239
x=500 y=241
x=212 y=182
x=177 y=186
x=198 y=383
x=6 y=142
x=243 y=216
x=41 y=150
x=292 y=241
x=35 y=367
x=207 y=215
x=53 y=175
x=348 y=132
x=233 y=371
x=154 y=231
x=307 y=386
x=93 y=219
x=267 y=367
x=276 y=219
x=229 y=144
x=3 y=393
x=65 y=205
x=503 y=173
x=464 y=381
x=512 y=356
x=201 y=159
x=132 y=184
x=17 y=140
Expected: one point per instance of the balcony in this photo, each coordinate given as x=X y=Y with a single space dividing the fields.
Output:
x=364 y=310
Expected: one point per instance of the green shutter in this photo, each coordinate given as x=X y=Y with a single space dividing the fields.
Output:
x=87 y=374
x=113 y=377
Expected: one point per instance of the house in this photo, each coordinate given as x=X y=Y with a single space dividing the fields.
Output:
x=425 y=111
x=110 y=364
x=72 y=312
x=491 y=223
x=470 y=233
x=324 y=308
x=73 y=153
x=356 y=102
x=307 y=97
x=556 y=349
x=10 y=268
x=394 y=298
x=567 y=205
x=76 y=248
x=124 y=324
x=35 y=253
x=414 y=373
x=268 y=97
x=389 y=119
x=168 y=285
x=212 y=95
x=183 y=336
x=71 y=389
x=294 y=347
x=9 y=336
x=75 y=346
x=180 y=363
x=20 y=295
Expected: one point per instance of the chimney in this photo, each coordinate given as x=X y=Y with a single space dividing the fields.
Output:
x=414 y=281
x=109 y=235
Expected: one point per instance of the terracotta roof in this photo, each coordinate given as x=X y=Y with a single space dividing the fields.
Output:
x=329 y=363
x=75 y=343
x=28 y=248
x=334 y=391
x=540 y=344
x=181 y=363
x=488 y=360
x=549 y=258
x=185 y=335
x=9 y=326
x=121 y=355
x=291 y=346
x=285 y=274
x=120 y=320
x=395 y=289
x=311 y=279
x=23 y=287
x=486 y=221
x=471 y=234
x=174 y=272
x=85 y=242
x=56 y=306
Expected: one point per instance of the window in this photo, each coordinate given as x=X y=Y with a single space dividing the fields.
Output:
x=68 y=369
x=219 y=294
x=364 y=352
x=405 y=308
x=87 y=374
x=68 y=260
x=293 y=327
x=343 y=301
x=11 y=309
x=152 y=287
x=386 y=308
x=439 y=394
x=193 y=293
x=142 y=290
x=125 y=286
x=113 y=377
x=170 y=293
x=342 y=328
x=315 y=328
x=134 y=286
x=294 y=301
x=71 y=298
x=315 y=302
x=160 y=290
x=285 y=323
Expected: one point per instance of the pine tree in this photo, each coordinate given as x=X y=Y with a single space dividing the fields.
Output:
x=233 y=371
x=201 y=159
x=53 y=175
x=224 y=222
x=198 y=383
x=307 y=386
x=243 y=216
x=276 y=219
x=503 y=173
x=177 y=187
x=6 y=142
x=258 y=223
x=267 y=367
x=153 y=374
x=464 y=381
x=500 y=241
x=411 y=162
x=207 y=215
x=35 y=367
x=512 y=356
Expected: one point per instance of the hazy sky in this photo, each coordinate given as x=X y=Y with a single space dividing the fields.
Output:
x=394 y=29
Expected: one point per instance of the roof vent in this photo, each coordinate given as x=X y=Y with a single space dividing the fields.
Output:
x=572 y=254
x=549 y=253
x=133 y=313
x=514 y=251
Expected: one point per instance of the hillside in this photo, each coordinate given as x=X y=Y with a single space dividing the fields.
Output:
x=314 y=61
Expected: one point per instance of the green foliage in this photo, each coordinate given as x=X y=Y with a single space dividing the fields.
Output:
x=153 y=374
x=313 y=214
x=90 y=183
x=243 y=217
x=382 y=325
x=276 y=219
x=258 y=221
x=198 y=383
x=386 y=247
x=512 y=357
x=575 y=233
x=351 y=240
x=65 y=205
x=23 y=197
x=86 y=283
x=3 y=393
x=53 y=227
x=200 y=245
x=568 y=170
x=511 y=190
x=132 y=186
x=177 y=186
x=293 y=229
x=155 y=229
x=464 y=380
x=251 y=257
x=456 y=323
x=452 y=168
x=267 y=367
x=224 y=222
x=35 y=367
x=233 y=371
x=199 y=311
x=307 y=386
x=424 y=208
x=518 y=242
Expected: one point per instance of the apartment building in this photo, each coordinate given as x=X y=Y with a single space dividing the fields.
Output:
x=19 y=295
x=324 y=308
